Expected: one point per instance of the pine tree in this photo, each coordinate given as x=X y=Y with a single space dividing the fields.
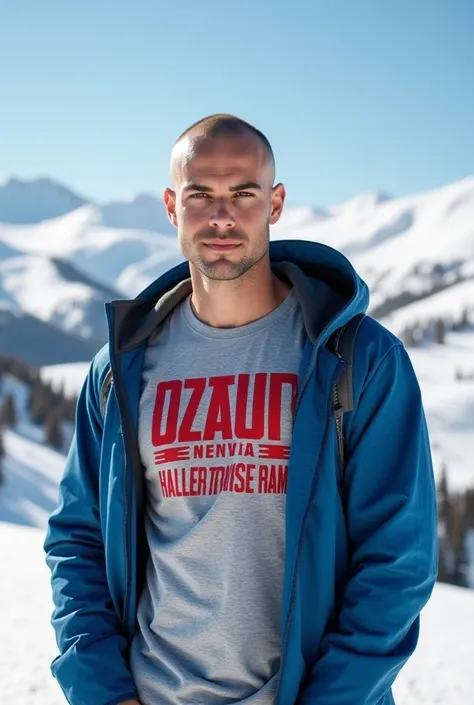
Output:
x=447 y=562
x=440 y=331
x=53 y=433
x=408 y=337
x=2 y=456
x=8 y=415
x=464 y=323
x=42 y=400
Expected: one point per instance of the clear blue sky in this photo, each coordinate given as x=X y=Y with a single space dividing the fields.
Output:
x=354 y=95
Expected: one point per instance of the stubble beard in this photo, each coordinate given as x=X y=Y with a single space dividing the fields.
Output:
x=225 y=269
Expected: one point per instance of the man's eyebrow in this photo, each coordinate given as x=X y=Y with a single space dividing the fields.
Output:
x=197 y=187
x=246 y=185
x=208 y=189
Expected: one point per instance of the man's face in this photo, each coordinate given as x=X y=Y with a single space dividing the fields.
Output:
x=223 y=203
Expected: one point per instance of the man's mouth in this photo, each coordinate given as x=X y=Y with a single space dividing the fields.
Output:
x=222 y=245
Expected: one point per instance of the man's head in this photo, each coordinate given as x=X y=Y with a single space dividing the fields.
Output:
x=223 y=199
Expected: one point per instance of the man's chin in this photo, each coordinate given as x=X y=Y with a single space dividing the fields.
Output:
x=222 y=269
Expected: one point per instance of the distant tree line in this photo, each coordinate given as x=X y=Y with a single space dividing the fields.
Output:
x=435 y=277
x=435 y=330
x=46 y=406
x=456 y=527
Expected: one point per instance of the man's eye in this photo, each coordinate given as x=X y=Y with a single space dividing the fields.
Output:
x=198 y=195
x=244 y=193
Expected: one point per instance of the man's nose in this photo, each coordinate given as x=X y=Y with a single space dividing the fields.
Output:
x=221 y=216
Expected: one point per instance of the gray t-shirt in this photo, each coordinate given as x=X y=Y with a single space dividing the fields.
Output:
x=215 y=428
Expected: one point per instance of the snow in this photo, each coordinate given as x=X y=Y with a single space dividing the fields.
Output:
x=69 y=376
x=35 y=284
x=449 y=404
x=136 y=277
x=439 y=672
x=27 y=643
x=448 y=304
x=81 y=238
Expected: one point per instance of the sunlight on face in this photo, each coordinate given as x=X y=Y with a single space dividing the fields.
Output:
x=223 y=203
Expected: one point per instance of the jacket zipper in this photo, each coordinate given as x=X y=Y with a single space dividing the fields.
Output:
x=121 y=406
x=302 y=535
x=125 y=533
x=313 y=489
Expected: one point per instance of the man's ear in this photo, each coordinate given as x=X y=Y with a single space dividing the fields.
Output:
x=169 y=197
x=277 y=202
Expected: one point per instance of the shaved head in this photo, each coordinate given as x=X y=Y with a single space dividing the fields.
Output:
x=198 y=137
x=223 y=200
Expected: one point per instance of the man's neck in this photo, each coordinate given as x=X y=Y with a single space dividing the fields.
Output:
x=227 y=304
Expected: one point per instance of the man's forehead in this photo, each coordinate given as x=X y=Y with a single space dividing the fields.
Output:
x=220 y=156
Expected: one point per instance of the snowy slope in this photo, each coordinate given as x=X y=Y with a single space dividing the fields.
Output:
x=439 y=672
x=449 y=404
x=82 y=238
x=54 y=291
x=448 y=304
x=69 y=377
x=32 y=470
x=405 y=244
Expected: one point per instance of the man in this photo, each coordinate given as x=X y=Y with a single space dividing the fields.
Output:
x=200 y=553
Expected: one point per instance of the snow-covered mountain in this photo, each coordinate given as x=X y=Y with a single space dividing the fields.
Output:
x=54 y=291
x=416 y=253
x=24 y=202
x=407 y=249
x=143 y=212
x=83 y=238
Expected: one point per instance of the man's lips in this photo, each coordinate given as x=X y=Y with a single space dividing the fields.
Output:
x=222 y=245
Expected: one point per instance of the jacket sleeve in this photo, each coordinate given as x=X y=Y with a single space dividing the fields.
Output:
x=91 y=667
x=392 y=527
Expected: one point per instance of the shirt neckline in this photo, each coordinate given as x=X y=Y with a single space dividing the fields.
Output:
x=243 y=331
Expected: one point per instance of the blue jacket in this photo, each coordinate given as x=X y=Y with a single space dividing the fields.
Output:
x=353 y=587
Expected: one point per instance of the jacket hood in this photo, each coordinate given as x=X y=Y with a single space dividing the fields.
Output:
x=329 y=291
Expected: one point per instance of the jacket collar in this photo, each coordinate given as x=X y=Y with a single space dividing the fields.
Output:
x=326 y=285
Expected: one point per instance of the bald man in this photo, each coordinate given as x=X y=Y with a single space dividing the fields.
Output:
x=218 y=538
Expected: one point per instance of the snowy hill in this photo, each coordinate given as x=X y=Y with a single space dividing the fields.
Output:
x=439 y=672
x=406 y=248
x=83 y=239
x=54 y=291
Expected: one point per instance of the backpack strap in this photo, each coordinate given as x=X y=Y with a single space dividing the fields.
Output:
x=342 y=343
